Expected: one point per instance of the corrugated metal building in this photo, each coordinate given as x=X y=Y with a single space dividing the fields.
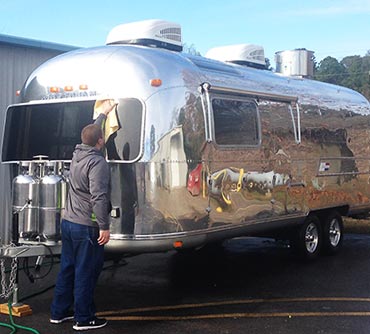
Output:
x=18 y=58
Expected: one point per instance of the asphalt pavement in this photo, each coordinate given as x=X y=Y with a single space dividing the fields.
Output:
x=248 y=285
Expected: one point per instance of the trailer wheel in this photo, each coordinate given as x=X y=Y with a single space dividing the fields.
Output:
x=333 y=233
x=307 y=241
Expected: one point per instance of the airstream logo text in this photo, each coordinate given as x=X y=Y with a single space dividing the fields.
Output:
x=66 y=95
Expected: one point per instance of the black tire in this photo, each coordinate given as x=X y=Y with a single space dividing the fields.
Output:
x=308 y=238
x=332 y=233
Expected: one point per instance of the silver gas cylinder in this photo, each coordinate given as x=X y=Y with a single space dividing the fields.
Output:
x=52 y=202
x=25 y=200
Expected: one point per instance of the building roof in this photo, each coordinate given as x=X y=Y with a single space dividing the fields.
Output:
x=32 y=43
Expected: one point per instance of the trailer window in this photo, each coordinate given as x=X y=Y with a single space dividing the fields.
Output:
x=53 y=129
x=236 y=122
x=125 y=144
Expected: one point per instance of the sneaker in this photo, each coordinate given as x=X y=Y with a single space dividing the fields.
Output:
x=93 y=324
x=69 y=316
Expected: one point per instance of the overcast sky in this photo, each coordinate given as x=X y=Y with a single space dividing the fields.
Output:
x=334 y=28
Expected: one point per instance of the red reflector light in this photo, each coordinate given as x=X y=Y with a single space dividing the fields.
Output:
x=18 y=92
x=54 y=89
x=83 y=87
x=155 y=82
x=178 y=244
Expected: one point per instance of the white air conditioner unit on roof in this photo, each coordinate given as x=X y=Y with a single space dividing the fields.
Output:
x=154 y=33
x=243 y=54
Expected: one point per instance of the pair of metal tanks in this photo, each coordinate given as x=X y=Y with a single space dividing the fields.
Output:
x=39 y=193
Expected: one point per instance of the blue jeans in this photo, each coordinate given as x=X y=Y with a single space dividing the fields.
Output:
x=81 y=263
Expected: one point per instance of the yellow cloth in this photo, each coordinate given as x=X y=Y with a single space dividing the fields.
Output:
x=111 y=123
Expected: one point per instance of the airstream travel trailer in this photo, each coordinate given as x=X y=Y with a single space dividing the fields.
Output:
x=206 y=149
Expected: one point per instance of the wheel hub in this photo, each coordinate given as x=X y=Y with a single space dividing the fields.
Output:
x=311 y=238
x=334 y=232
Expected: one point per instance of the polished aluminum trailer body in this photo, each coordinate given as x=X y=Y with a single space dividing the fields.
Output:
x=186 y=166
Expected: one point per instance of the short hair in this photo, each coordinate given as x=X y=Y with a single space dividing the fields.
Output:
x=90 y=134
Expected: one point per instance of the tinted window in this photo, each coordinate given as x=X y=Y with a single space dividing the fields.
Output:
x=54 y=130
x=125 y=144
x=45 y=129
x=236 y=122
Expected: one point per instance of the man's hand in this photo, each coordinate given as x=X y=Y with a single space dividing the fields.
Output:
x=108 y=106
x=103 y=237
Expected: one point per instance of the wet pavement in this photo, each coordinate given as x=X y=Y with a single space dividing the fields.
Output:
x=247 y=286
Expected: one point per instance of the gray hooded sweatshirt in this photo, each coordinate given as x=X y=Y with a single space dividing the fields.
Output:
x=88 y=197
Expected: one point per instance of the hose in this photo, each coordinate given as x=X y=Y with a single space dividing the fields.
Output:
x=12 y=326
x=8 y=326
x=15 y=326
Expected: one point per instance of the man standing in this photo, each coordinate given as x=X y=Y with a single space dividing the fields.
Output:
x=85 y=230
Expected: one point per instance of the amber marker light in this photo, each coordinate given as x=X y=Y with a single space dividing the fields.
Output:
x=156 y=82
x=54 y=89
x=68 y=89
x=178 y=244
x=83 y=87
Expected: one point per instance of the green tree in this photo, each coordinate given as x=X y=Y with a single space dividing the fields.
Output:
x=352 y=72
x=330 y=70
x=358 y=69
x=354 y=79
x=365 y=90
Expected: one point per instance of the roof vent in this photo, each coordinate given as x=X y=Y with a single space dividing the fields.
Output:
x=242 y=54
x=153 y=33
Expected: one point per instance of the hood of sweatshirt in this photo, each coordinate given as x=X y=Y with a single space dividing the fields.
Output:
x=83 y=150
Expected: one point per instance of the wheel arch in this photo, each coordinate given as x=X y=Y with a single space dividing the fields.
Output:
x=323 y=213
